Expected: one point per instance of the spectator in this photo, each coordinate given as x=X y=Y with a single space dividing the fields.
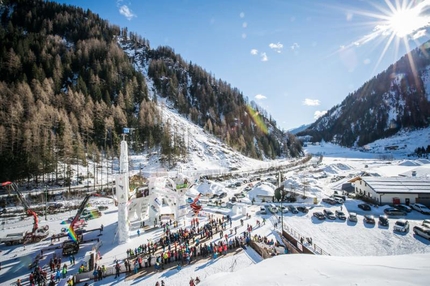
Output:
x=117 y=269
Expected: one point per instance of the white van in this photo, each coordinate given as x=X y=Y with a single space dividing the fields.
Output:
x=263 y=210
x=273 y=209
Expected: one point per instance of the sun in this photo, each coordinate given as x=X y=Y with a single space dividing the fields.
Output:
x=402 y=23
x=405 y=21
x=395 y=25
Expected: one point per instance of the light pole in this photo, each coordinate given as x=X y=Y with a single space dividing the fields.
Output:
x=282 y=213
x=46 y=203
x=94 y=174
x=281 y=218
x=281 y=190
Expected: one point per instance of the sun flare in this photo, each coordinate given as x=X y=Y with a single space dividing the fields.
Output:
x=404 y=22
x=395 y=24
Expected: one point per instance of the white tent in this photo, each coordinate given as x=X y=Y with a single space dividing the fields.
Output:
x=262 y=191
x=210 y=188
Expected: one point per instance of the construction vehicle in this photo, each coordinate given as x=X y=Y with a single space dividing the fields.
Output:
x=36 y=234
x=72 y=246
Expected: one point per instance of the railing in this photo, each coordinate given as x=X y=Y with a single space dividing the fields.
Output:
x=301 y=243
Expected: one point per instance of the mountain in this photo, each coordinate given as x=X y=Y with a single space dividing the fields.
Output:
x=299 y=129
x=396 y=99
x=70 y=82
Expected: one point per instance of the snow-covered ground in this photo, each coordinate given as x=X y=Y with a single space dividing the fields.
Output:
x=359 y=253
x=352 y=247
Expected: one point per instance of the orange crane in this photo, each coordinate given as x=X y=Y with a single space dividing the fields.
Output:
x=37 y=233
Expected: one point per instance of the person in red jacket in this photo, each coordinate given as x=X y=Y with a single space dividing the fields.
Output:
x=31 y=278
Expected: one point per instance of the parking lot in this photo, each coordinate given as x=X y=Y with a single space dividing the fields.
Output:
x=346 y=238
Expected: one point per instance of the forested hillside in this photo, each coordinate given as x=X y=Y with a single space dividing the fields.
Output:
x=67 y=88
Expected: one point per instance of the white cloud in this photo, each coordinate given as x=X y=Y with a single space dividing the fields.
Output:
x=125 y=11
x=243 y=35
x=260 y=97
x=295 y=46
x=419 y=34
x=311 y=102
x=264 y=57
x=277 y=47
x=318 y=113
x=254 y=52
x=242 y=15
x=367 y=61
x=245 y=24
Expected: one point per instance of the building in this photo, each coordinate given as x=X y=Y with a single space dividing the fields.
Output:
x=393 y=190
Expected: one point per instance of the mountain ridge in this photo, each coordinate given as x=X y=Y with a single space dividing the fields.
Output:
x=68 y=89
x=395 y=99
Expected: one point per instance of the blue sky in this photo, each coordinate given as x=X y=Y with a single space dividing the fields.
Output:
x=296 y=59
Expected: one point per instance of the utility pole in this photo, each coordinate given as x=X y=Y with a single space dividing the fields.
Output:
x=88 y=177
x=282 y=200
x=140 y=170
x=46 y=203
x=94 y=174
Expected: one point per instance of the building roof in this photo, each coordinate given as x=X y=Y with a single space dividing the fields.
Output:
x=398 y=185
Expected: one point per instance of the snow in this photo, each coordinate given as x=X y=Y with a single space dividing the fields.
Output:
x=358 y=253
x=210 y=188
x=304 y=269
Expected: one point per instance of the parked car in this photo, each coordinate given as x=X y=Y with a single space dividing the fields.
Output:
x=302 y=209
x=370 y=219
x=293 y=209
x=426 y=223
x=102 y=208
x=329 y=201
x=319 y=215
x=239 y=195
x=404 y=208
x=283 y=209
x=233 y=199
x=340 y=215
x=223 y=195
x=263 y=210
x=383 y=220
x=422 y=231
x=401 y=225
x=338 y=200
x=421 y=208
x=364 y=207
x=273 y=209
x=394 y=212
x=329 y=214
x=352 y=217
x=337 y=195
